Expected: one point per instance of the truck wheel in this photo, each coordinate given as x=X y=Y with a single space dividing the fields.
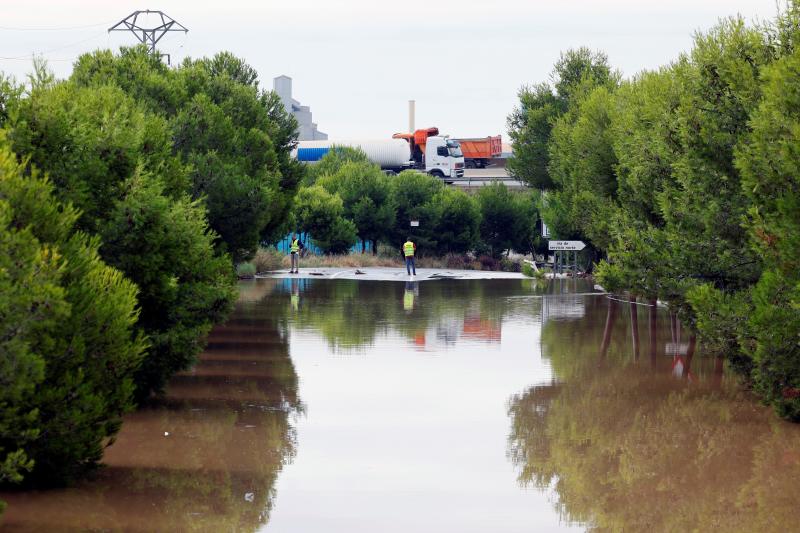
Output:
x=437 y=174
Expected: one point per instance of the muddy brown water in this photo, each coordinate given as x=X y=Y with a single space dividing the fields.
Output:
x=452 y=405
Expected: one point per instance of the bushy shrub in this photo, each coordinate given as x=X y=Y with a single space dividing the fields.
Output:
x=488 y=262
x=321 y=215
x=528 y=270
x=457 y=261
x=68 y=346
x=245 y=270
x=236 y=137
x=114 y=161
x=507 y=265
x=268 y=259
x=166 y=248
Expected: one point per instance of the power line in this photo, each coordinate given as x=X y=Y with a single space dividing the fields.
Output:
x=55 y=28
x=56 y=49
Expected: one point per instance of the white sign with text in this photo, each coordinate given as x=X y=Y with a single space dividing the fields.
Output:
x=566 y=245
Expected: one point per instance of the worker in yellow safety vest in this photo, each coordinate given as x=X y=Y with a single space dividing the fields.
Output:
x=294 y=252
x=409 y=248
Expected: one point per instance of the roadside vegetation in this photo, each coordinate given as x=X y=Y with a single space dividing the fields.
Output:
x=127 y=194
x=269 y=259
x=347 y=201
x=685 y=183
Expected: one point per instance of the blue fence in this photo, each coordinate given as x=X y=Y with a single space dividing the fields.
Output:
x=305 y=238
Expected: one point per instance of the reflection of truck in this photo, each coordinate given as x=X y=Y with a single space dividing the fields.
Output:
x=478 y=153
x=423 y=150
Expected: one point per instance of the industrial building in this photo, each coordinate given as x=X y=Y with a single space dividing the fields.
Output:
x=302 y=113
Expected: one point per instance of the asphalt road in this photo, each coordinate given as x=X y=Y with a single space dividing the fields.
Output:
x=478 y=177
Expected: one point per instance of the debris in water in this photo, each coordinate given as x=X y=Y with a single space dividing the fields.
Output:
x=249 y=497
x=446 y=275
x=359 y=272
x=166 y=433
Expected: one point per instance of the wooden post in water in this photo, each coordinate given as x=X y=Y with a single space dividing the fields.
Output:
x=653 y=327
x=689 y=355
x=634 y=328
x=611 y=316
x=719 y=366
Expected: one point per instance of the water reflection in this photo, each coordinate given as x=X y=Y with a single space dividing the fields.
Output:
x=628 y=447
x=624 y=427
x=206 y=457
x=351 y=314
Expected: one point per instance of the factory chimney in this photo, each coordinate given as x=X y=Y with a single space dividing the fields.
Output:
x=411 y=113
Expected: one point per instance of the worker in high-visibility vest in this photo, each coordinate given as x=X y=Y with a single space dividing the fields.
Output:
x=294 y=252
x=409 y=248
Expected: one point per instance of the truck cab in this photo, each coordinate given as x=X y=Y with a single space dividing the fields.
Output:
x=438 y=156
x=443 y=158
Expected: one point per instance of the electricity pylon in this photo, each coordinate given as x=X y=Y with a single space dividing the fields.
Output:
x=148 y=36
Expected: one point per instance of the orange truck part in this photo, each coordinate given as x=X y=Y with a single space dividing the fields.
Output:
x=419 y=138
x=483 y=148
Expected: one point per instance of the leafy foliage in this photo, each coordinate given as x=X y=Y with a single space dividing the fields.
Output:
x=320 y=214
x=684 y=182
x=166 y=248
x=114 y=161
x=69 y=347
x=236 y=138
x=365 y=193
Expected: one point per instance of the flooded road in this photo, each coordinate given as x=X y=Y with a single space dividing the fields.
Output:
x=450 y=405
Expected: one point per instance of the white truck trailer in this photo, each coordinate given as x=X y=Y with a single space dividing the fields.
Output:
x=442 y=158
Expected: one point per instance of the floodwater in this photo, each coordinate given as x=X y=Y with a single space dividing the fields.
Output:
x=450 y=405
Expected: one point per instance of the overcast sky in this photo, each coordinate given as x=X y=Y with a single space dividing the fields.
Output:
x=358 y=62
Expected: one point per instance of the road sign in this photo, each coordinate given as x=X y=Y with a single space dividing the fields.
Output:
x=414 y=223
x=566 y=245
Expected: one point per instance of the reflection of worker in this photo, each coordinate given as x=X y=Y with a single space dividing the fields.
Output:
x=409 y=296
x=294 y=299
x=409 y=248
x=294 y=251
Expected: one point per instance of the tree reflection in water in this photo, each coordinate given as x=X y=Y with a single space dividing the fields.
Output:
x=352 y=314
x=628 y=447
x=205 y=457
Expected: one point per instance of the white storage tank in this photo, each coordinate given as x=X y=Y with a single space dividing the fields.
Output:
x=388 y=153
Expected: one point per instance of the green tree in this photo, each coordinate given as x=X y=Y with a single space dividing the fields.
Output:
x=527 y=238
x=414 y=195
x=582 y=164
x=769 y=161
x=530 y=124
x=458 y=229
x=166 y=248
x=236 y=138
x=69 y=348
x=500 y=218
x=321 y=215
x=332 y=161
x=98 y=146
x=365 y=193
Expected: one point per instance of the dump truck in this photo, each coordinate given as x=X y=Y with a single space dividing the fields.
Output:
x=431 y=153
x=479 y=152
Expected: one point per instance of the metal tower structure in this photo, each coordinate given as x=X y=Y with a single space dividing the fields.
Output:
x=149 y=36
